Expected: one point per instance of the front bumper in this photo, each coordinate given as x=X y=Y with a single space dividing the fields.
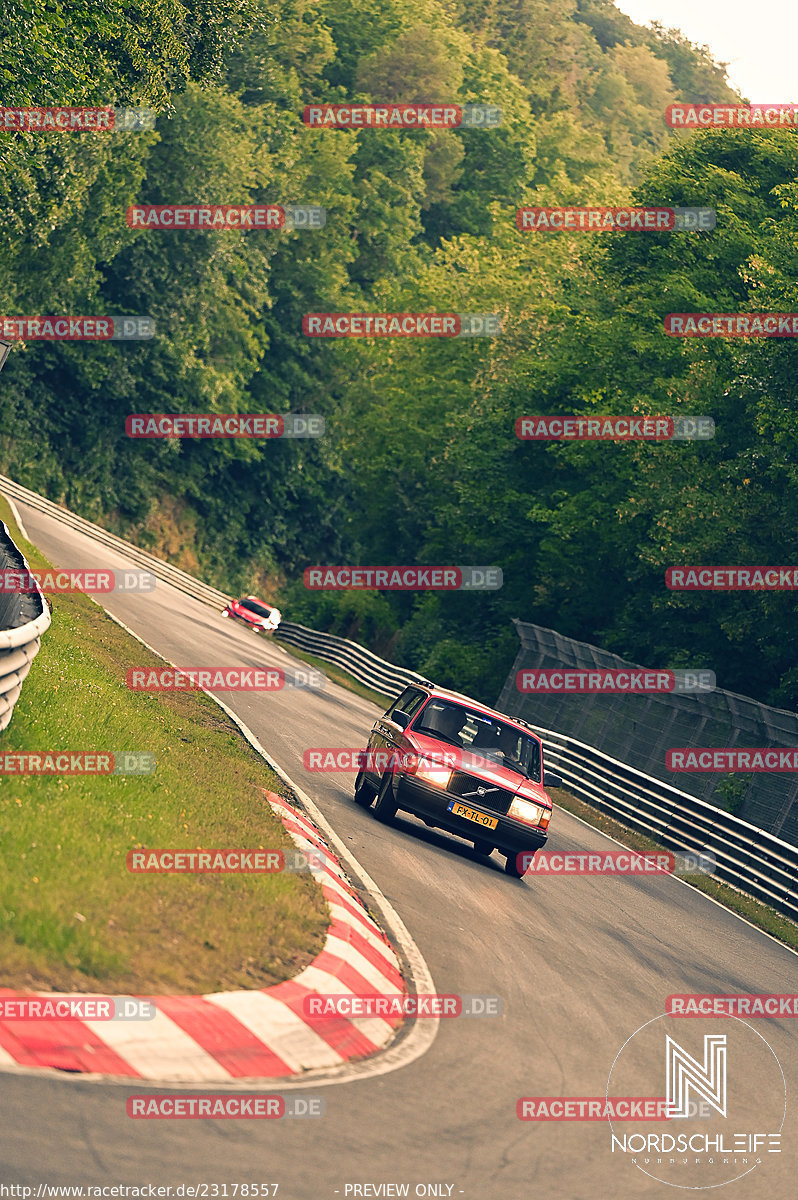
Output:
x=425 y=800
x=259 y=626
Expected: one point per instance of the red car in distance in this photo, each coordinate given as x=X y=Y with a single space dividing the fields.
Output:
x=263 y=618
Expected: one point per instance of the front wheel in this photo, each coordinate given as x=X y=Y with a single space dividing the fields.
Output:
x=516 y=864
x=364 y=793
x=385 y=806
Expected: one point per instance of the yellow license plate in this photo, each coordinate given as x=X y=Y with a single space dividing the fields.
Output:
x=462 y=810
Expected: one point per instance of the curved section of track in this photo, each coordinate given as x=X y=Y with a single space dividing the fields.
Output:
x=579 y=964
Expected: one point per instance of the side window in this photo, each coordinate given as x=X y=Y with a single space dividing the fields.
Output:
x=416 y=700
x=534 y=761
x=410 y=701
x=399 y=701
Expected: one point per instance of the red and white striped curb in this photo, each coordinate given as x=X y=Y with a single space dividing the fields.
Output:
x=228 y=1036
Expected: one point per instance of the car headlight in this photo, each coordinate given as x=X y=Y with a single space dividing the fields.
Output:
x=528 y=813
x=432 y=772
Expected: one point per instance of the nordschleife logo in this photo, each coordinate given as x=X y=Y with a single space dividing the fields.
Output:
x=725 y=1103
x=706 y=1080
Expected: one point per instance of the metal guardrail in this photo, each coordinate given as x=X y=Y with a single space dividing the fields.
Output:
x=747 y=858
x=368 y=668
x=23 y=620
x=162 y=570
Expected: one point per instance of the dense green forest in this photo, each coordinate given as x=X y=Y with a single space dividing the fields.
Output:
x=420 y=463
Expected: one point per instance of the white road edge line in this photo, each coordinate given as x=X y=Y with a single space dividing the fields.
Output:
x=16 y=515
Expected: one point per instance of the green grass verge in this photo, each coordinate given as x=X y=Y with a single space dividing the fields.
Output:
x=754 y=911
x=339 y=675
x=71 y=915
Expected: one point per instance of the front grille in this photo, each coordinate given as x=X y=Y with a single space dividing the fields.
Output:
x=497 y=800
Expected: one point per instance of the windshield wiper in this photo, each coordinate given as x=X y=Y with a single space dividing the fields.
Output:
x=440 y=737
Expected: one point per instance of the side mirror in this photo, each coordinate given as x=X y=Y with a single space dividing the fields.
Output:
x=402 y=719
x=550 y=780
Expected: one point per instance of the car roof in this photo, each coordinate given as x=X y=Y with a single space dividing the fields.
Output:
x=444 y=694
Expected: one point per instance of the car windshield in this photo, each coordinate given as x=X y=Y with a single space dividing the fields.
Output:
x=484 y=736
x=253 y=606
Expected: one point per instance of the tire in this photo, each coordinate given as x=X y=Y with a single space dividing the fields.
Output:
x=512 y=866
x=483 y=847
x=385 y=806
x=364 y=793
